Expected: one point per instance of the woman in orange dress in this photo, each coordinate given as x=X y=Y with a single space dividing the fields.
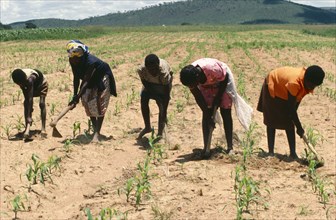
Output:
x=280 y=97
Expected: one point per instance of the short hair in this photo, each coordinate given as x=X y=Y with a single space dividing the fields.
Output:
x=188 y=75
x=314 y=74
x=151 y=60
x=19 y=76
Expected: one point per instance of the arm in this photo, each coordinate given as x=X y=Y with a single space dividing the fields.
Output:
x=292 y=109
x=221 y=90
x=75 y=84
x=28 y=102
x=88 y=75
x=199 y=98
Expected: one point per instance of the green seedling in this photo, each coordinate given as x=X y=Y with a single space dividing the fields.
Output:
x=106 y=214
x=7 y=129
x=129 y=186
x=90 y=129
x=76 y=128
x=68 y=144
x=117 y=108
x=19 y=123
x=52 y=109
x=143 y=186
x=186 y=93
x=179 y=106
x=53 y=163
x=314 y=136
x=246 y=191
x=18 y=205
x=131 y=98
x=156 y=150
x=39 y=171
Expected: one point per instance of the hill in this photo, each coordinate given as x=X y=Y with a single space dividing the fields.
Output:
x=205 y=12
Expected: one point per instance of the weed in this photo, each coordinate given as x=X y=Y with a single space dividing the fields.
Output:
x=159 y=214
x=304 y=210
x=328 y=211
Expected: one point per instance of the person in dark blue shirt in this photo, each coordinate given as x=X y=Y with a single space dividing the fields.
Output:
x=94 y=80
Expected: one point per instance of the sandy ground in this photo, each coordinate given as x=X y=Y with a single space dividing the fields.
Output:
x=182 y=186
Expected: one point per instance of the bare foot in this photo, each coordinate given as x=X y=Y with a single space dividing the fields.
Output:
x=143 y=132
x=43 y=134
x=206 y=154
x=229 y=150
x=293 y=156
x=95 y=138
x=270 y=154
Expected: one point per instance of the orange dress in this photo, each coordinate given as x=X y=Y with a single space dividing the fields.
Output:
x=274 y=95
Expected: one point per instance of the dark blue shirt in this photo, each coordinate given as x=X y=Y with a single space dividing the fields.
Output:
x=88 y=64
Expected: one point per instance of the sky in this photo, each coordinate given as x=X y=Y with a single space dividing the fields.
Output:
x=23 y=10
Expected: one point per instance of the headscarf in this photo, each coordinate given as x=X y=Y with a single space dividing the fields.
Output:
x=76 y=48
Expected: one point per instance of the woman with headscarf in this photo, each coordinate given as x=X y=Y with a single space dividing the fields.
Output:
x=97 y=83
x=280 y=97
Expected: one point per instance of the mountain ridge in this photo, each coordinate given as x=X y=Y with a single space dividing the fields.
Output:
x=202 y=12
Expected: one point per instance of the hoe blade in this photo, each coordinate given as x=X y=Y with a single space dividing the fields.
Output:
x=56 y=133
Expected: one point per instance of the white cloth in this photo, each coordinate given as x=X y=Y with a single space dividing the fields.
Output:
x=243 y=110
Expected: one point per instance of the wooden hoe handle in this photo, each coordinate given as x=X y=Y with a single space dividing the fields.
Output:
x=54 y=122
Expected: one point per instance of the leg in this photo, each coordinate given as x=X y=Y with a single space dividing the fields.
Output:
x=25 y=105
x=163 y=106
x=43 y=113
x=270 y=140
x=291 y=141
x=205 y=130
x=94 y=123
x=98 y=125
x=228 y=127
x=145 y=115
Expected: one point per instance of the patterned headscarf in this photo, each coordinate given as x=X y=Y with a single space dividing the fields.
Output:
x=76 y=48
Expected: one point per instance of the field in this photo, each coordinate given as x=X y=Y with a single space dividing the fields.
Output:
x=167 y=180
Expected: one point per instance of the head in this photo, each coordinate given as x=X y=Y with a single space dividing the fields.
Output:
x=152 y=64
x=313 y=77
x=19 y=77
x=76 y=50
x=189 y=75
